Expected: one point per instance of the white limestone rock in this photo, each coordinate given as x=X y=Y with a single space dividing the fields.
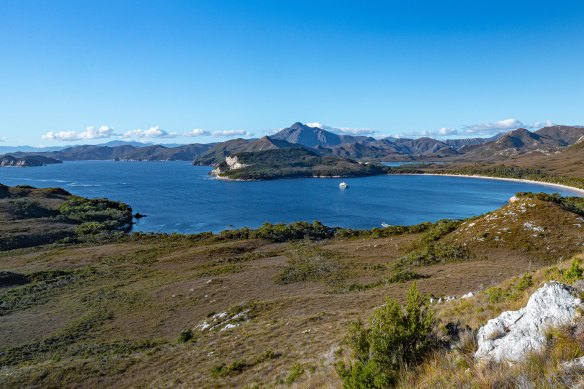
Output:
x=514 y=333
x=575 y=364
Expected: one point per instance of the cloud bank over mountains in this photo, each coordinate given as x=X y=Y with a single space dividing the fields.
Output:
x=477 y=130
x=102 y=132
x=343 y=130
x=106 y=132
x=472 y=130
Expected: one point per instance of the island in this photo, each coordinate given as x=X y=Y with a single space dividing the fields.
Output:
x=292 y=163
x=27 y=161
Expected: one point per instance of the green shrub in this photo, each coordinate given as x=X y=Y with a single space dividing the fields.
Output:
x=575 y=272
x=497 y=294
x=223 y=370
x=90 y=228
x=396 y=338
x=435 y=252
x=25 y=208
x=112 y=215
x=525 y=282
x=185 y=336
x=295 y=373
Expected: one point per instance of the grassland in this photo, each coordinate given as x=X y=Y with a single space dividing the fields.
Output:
x=255 y=308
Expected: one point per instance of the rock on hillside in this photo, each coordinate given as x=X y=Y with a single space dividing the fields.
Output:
x=513 y=334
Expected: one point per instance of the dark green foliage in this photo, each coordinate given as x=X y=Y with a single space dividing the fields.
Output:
x=295 y=373
x=8 y=278
x=185 y=336
x=112 y=215
x=439 y=252
x=222 y=370
x=266 y=356
x=497 y=294
x=26 y=208
x=396 y=338
x=293 y=231
x=438 y=230
x=403 y=275
x=90 y=228
x=575 y=272
x=399 y=275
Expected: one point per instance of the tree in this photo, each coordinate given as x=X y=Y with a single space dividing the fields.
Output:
x=395 y=339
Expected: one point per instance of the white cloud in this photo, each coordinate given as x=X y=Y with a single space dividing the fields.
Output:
x=445 y=131
x=2 y=139
x=89 y=133
x=228 y=133
x=342 y=130
x=545 y=123
x=152 y=132
x=493 y=127
x=477 y=130
x=505 y=125
x=197 y=132
x=440 y=133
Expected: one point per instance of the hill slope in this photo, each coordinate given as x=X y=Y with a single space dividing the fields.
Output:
x=268 y=307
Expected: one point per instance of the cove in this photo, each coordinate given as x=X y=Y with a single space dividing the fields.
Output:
x=178 y=197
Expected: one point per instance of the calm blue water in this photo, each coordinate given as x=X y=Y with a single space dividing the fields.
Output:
x=178 y=197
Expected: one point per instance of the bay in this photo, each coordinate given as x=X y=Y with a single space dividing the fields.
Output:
x=179 y=197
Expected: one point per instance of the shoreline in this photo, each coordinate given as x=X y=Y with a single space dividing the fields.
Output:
x=570 y=188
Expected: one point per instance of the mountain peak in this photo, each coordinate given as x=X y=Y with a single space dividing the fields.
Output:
x=298 y=126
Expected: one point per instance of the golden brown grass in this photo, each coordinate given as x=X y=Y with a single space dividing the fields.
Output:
x=152 y=289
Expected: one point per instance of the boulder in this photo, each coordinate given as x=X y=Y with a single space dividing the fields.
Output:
x=514 y=333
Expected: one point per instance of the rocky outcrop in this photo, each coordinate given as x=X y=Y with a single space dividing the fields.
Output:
x=513 y=334
x=233 y=163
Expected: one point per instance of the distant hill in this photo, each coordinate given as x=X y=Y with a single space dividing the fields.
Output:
x=218 y=152
x=566 y=135
x=124 y=152
x=389 y=149
x=513 y=143
x=29 y=149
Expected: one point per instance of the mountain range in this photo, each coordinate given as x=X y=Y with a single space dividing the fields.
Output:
x=502 y=146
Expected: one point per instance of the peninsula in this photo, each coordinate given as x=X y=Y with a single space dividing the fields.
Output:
x=291 y=163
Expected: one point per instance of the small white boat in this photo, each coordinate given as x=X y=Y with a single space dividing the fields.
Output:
x=343 y=185
x=385 y=225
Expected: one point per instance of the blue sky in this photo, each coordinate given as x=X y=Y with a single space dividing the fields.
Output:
x=203 y=71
